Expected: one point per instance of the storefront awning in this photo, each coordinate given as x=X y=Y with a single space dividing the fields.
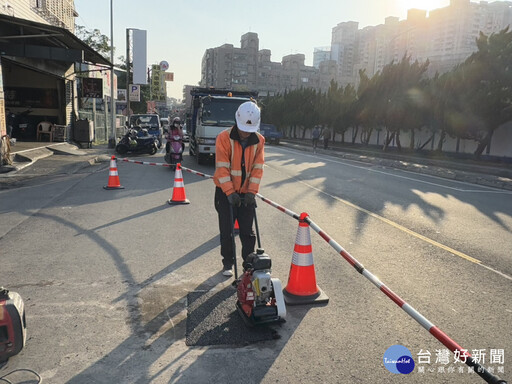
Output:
x=30 y=39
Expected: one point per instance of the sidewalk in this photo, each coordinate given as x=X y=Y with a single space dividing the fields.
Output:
x=27 y=153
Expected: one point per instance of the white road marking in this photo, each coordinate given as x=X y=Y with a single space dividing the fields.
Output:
x=484 y=188
x=404 y=229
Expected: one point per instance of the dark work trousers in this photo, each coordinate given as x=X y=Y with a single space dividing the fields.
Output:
x=245 y=216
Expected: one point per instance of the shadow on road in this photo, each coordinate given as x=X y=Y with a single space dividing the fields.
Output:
x=408 y=198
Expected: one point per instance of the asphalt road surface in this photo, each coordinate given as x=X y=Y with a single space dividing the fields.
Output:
x=106 y=275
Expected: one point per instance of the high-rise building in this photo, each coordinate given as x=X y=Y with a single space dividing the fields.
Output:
x=453 y=30
x=343 y=50
x=446 y=38
x=321 y=54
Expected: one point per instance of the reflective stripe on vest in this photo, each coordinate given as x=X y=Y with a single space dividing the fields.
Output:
x=222 y=164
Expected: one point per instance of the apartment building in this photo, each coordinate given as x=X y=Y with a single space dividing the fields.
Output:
x=344 y=42
x=321 y=54
x=249 y=68
x=446 y=37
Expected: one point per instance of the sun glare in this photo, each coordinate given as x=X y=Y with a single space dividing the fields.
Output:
x=425 y=4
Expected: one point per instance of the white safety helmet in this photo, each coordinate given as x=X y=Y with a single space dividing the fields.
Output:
x=248 y=117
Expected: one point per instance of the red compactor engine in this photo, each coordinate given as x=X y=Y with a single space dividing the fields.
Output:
x=13 y=330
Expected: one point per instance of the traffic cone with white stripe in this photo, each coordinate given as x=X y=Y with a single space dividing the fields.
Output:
x=113 y=176
x=178 y=191
x=302 y=287
x=236 y=227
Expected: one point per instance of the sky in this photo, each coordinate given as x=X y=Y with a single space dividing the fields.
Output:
x=180 y=31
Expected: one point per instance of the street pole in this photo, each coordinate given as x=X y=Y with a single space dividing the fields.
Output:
x=150 y=87
x=112 y=138
x=128 y=74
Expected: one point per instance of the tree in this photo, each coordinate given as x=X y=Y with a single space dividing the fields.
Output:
x=365 y=109
x=94 y=39
x=401 y=83
x=487 y=91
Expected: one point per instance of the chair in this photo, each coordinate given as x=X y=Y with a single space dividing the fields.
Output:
x=45 y=128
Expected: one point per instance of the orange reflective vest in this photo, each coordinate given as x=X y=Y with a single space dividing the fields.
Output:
x=228 y=162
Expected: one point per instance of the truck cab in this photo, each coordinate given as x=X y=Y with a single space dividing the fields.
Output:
x=211 y=112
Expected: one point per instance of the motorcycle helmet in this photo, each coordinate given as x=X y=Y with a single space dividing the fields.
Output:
x=248 y=117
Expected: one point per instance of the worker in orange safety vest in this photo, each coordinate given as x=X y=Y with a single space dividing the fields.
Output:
x=239 y=159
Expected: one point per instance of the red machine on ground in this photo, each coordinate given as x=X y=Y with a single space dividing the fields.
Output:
x=259 y=296
x=13 y=329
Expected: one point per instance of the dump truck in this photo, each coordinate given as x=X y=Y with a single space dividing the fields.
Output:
x=211 y=111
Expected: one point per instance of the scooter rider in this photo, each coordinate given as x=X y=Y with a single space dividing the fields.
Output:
x=174 y=130
x=239 y=159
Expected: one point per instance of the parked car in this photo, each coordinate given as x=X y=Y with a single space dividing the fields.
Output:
x=149 y=121
x=270 y=133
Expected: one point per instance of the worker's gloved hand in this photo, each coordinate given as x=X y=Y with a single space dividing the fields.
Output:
x=249 y=200
x=234 y=199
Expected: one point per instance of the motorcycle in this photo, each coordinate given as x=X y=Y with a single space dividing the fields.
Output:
x=174 y=151
x=130 y=142
x=20 y=125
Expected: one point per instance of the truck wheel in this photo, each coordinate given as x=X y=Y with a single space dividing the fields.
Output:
x=200 y=159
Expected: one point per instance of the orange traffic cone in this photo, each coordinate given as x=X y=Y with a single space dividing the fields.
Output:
x=178 y=192
x=113 y=176
x=236 y=228
x=302 y=288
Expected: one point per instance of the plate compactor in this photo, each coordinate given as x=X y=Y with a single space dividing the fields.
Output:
x=13 y=331
x=259 y=296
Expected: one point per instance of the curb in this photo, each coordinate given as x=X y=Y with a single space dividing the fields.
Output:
x=24 y=158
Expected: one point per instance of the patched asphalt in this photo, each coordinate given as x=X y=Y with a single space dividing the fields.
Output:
x=212 y=319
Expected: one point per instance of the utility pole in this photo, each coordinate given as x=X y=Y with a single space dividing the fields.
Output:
x=128 y=74
x=112 y=138
x=150 y=85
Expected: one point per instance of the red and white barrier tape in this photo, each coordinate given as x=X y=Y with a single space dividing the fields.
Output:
x=145 y=162
x=460 y=352
x=167 y=165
